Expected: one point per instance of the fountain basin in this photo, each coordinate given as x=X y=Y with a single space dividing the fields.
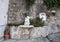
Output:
x=26 y=26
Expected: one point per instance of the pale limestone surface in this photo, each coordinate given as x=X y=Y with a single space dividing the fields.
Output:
x=42 y=39
x=15 y=32
x=18 y=33
x=54 y=37
x=39 y=31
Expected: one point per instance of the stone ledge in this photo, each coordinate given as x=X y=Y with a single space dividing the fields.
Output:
x=25 y=26
x=16 y=32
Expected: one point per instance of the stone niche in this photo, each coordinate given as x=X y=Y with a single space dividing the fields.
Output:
x=43 y=16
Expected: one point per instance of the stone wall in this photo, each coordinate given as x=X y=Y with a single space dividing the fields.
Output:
x=17 y=10
x=36 y=32
x=58 y=14
x=36 y=8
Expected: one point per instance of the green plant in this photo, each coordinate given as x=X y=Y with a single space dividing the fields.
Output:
x=31 y=22
x=52 y=3
x=37 y=22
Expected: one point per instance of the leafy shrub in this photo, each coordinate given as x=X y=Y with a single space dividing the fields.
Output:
x=37 y=22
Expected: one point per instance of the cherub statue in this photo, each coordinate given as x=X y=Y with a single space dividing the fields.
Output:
x=27 y=22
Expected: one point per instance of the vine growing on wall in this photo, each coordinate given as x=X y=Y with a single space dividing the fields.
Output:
x=52 y=3
x=29 y=3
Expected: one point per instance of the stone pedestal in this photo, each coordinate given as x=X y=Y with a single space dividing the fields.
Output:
x=21 y=32
x=26 y=31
